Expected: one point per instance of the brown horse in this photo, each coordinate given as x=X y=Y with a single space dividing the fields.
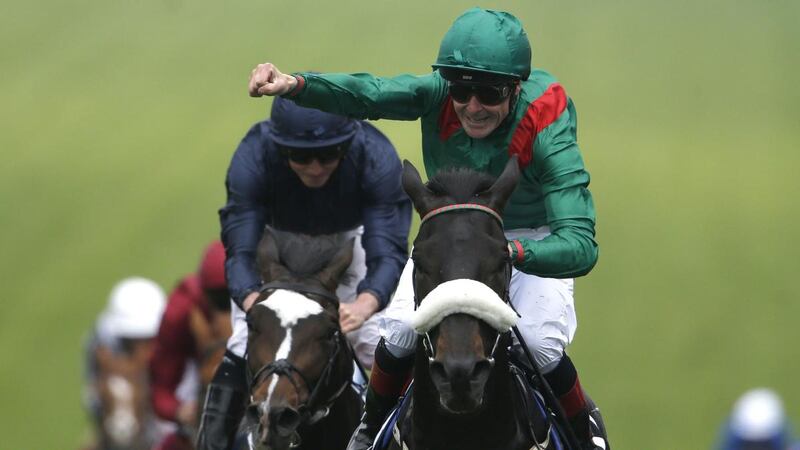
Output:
x=299 y=361
x=125 y=420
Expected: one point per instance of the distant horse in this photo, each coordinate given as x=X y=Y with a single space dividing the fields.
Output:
x=125 y=421
x=299 y=361
x=465 y=395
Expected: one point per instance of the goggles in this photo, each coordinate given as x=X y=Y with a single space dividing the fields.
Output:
x=490 y=95
x=324 y=155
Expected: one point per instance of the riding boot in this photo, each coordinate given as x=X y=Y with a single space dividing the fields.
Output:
x=389 y=375
x=224 y=405
x=564 y=382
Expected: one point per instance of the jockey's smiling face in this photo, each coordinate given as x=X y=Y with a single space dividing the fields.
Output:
x=478 y=117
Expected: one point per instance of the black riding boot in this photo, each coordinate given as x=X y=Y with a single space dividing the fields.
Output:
x=224 y=406
x=386 y=382
x=584 y=418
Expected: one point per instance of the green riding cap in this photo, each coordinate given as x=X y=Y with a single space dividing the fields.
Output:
x=486 y=41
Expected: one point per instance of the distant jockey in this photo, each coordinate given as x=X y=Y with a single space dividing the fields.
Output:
x=189 y=344
x=758 y=422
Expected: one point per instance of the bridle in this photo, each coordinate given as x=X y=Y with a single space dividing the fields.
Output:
x=426 y=338
x=315 y=407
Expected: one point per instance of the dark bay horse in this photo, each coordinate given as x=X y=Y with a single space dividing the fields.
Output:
x=465 y=395
x=299 y=361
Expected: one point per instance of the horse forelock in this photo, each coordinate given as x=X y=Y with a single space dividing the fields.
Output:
x=460 y=184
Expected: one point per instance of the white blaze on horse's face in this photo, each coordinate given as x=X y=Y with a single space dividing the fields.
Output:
x=289 y=307
x=121 y=424
x=463 y=296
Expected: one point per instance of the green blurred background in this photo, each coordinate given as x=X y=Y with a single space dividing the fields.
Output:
x=119 y=119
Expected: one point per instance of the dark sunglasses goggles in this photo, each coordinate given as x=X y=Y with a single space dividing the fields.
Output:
x=490 y=95
x=324 y=155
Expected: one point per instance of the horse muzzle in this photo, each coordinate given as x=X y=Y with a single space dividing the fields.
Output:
x=461 y=384
x=277 y=430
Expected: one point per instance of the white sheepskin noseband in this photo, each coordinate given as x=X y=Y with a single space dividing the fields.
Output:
x=467 y=297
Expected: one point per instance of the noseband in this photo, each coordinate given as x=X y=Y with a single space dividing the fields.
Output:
x=426 y=339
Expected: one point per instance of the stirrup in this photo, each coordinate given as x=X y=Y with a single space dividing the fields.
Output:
x=598 y=441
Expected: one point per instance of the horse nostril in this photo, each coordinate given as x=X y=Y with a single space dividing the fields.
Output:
x=285 y=420
x=438 y=372
x=252 y=412
x=482 y=368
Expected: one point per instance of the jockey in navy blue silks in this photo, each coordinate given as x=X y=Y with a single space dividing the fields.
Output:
x=311 y=172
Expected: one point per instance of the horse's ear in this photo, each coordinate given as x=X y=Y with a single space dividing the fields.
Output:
x=268 y=258
x=504 y=185
x=415 y=188
x=330 y=274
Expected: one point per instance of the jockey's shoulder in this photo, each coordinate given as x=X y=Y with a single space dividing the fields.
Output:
x=540 y=81
x=186 y=295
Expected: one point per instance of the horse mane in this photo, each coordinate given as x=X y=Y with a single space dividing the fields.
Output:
x=460 y=183
x=304 y=254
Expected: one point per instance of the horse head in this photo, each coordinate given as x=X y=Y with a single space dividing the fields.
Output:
x=125 y=416
x=298 y=359
x=461 y=276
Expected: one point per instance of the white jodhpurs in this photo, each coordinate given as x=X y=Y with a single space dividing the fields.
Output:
x=363 y=339
x=546 y=305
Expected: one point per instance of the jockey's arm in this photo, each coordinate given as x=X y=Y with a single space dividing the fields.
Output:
x=243 y=217
x=570 y=250
x=364 y=96
x=173 y=348
x=386 y=219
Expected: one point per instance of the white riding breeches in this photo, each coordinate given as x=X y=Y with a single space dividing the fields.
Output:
x=363 y=339
x=545 y=305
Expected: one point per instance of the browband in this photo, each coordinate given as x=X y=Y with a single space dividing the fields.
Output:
x=457 y=206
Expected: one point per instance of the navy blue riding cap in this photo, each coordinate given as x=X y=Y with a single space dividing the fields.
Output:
x=295 y=126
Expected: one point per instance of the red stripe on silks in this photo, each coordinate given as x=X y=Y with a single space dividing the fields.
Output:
x=386 y=384
x=573 y=401
x=520 y=251
x=540 y=114
x=448 y=121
